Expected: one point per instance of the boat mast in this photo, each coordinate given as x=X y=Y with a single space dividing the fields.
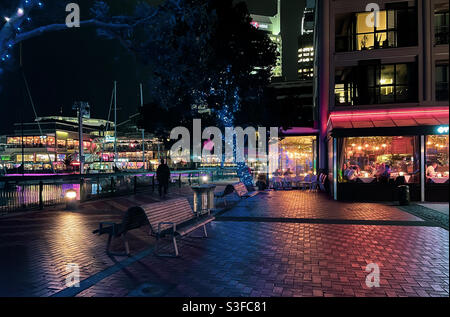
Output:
x=115 y=124
x=143 y=132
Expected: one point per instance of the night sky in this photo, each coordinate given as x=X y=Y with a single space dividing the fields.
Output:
x=77 y=65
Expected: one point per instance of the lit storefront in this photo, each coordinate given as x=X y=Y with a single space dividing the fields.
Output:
x=297 y=155
x=372 y=152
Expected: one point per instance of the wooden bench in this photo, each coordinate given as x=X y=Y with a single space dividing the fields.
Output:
x=229 y=189
x=176 y=218
x=134 y=218
x=241 y=190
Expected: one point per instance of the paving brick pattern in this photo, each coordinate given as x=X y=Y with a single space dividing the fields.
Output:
x=273 y=259
x=238 y=259
x=305 y=204
x=37 y=247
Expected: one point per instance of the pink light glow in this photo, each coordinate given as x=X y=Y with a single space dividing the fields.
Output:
x=26 y=174
x=390 y=113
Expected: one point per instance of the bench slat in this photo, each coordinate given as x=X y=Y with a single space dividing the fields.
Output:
x=177 y=211
x=191 y=227
x=240 y=189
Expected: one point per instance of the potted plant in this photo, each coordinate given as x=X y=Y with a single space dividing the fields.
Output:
x=364 y=43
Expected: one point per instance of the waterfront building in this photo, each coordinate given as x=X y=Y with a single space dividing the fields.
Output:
x=383 y=96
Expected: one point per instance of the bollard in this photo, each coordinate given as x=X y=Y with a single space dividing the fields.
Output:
x=403 y=195
x=41 y=200
x=153 y=183
x=135 y=184
x=81 y=189
x=179 y=180
x=112 y=185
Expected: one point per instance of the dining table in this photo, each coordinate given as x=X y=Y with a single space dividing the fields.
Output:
x=368 y=179
x=406 y=176
x=438 y=180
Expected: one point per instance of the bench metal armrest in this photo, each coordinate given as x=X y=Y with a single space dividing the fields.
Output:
x=174 y=226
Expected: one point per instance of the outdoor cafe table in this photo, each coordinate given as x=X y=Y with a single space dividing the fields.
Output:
x=406 y=176
x=438 y=180
x=366 y=179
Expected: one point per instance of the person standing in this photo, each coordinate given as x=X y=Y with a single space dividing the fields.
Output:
x=163 y=177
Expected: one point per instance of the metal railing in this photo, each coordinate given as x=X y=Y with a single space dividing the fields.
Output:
x=21 y=193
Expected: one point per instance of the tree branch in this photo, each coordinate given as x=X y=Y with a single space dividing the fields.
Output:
x=60 y=27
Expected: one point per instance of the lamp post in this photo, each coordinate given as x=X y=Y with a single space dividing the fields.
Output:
x=83 y=110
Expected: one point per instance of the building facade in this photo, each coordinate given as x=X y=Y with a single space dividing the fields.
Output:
x=382 y=90
x=49 y=144
x=291 y=27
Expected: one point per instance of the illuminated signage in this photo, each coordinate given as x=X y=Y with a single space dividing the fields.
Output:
x=443 y=129
x=260 y=25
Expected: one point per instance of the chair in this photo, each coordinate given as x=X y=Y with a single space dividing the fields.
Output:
x=287 y=182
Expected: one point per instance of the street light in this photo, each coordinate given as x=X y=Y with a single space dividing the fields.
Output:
x=70 y=197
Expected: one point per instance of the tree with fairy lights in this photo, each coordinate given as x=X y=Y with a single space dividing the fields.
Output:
x=215 y=61
x=204 y=54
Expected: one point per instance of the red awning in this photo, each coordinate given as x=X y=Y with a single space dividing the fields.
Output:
x=380 y=118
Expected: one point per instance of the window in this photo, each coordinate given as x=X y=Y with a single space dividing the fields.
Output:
x=441 y=24
x=380 y=158
x=61 y=143
x=437 y=153
x=373 y=34
x=394 y=27
x=376 y=84
x=393 y=83
x=296 y=154
x=14 y=141
x=442 y=82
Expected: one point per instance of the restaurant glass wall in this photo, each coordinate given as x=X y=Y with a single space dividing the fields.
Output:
x=297 y=155
x=437 y=153
x=436 y=167
x=378 y=159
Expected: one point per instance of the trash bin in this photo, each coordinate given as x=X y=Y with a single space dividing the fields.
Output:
x=203 y=198
x=403 y=195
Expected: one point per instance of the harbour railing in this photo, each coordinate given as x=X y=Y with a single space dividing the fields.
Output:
x=21 y=193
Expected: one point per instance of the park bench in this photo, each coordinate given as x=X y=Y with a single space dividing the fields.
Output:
x=134 y=218
x=174 y=218
x=241 y=190
x=229 y=189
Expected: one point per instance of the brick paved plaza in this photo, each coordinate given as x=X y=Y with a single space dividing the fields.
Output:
x=282 y=243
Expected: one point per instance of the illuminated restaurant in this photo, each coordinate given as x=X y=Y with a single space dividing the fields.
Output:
x=372 y=152
x=382 y=95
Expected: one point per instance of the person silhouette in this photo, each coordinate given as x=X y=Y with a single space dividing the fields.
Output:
x=163 y=176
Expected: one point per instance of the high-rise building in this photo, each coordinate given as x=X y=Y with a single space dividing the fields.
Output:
x=271 y=25
x=291 y=27
x=383 y=96
x=306 y=43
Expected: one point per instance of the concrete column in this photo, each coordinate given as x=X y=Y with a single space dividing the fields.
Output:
x=335 y=169
x=322 y=50
x=422 y=168
x=426 y=69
